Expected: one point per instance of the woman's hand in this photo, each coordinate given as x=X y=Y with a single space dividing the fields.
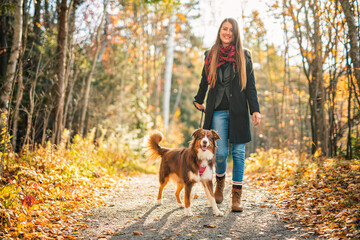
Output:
x=256 y=118
x=200 y=107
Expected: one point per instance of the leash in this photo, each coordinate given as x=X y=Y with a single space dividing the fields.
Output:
x=202 y=113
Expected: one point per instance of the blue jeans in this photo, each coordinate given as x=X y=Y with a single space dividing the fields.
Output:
x=220 y=123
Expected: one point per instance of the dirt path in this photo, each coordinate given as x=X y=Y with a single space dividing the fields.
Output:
x=132 y=209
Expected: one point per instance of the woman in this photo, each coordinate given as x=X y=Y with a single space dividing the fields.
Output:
x=229 y=75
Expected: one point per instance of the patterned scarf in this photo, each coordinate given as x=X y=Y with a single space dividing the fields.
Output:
x=226 y=54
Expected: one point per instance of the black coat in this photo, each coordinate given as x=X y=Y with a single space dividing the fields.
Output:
x=239 y=103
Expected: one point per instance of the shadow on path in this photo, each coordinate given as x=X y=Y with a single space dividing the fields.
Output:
x=135 y=212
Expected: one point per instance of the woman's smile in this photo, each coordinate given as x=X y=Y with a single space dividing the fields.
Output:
x=226 y=34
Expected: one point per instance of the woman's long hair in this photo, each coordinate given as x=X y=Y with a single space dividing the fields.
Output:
x=240 y=55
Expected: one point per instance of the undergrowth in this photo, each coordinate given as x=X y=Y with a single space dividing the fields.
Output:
x=321 y=193
x=44 y=191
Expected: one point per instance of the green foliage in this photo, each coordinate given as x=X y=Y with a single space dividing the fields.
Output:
x=9 y=195
x=7 y=8
x=355 y=147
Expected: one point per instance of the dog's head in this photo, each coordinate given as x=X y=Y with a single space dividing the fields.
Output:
x=205 y=140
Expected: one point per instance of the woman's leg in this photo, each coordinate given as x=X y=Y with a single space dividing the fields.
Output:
x=220 y=123
x=238 y=154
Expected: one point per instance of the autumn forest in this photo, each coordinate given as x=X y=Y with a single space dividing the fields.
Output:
x=83 y=81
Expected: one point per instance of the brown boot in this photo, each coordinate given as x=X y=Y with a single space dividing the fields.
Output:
x=236 y=200
x=219 y=189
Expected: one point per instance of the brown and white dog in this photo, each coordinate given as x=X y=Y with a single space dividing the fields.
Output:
x=186 y=166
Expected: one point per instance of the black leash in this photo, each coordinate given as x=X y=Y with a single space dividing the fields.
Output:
x=202 y=113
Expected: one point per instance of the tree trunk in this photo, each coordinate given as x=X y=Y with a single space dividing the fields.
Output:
x=317 y=96
x=70 y=78
x=4 y=47
x=89 y=78
x=10 y=74
x=20 y=90
x=321 y=125
x=61 y=62
x=30 y=112
x=46 y=121
x=354 y=42
x=46 y=15
x=19 y=95
x=349 y=144
x=176 y=105
x=313 y=69
x=69 y=98
x=36 y=22
x=122 y=84
x=168 y=70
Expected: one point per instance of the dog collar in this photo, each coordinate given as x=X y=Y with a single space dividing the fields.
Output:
x=201 y=170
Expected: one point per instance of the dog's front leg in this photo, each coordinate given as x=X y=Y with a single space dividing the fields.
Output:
x=208 y=187
x=187 y=196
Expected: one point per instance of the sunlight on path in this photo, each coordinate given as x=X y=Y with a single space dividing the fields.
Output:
x=134 y=215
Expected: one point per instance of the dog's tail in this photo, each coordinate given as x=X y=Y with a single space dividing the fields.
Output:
x=152 y=147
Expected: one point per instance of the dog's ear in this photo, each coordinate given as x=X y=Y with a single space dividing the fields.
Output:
x=214 y=133
x=196 y=133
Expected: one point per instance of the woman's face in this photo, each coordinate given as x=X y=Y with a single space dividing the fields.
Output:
x=226 y=33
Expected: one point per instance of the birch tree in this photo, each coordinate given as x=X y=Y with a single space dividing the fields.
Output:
x=168 y=70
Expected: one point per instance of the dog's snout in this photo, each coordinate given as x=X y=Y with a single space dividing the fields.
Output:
x=204 y=141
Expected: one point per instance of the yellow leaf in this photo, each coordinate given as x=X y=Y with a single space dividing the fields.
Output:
x=318 y=152
x=35 y=207
x=181 y=16
x=22 y=217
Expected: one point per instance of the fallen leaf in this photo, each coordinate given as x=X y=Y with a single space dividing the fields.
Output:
x=209 y=226
x=108 y=231
x=137 y=233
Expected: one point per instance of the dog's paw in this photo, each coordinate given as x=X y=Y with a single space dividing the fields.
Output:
x=159 y=202
x=219 y=214
x=188 y=212
x=181 y=205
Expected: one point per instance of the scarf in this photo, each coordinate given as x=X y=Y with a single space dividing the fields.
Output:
x=226 y=54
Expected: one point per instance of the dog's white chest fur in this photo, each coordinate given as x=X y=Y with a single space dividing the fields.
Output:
x=205 y=176
x=205 y=155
